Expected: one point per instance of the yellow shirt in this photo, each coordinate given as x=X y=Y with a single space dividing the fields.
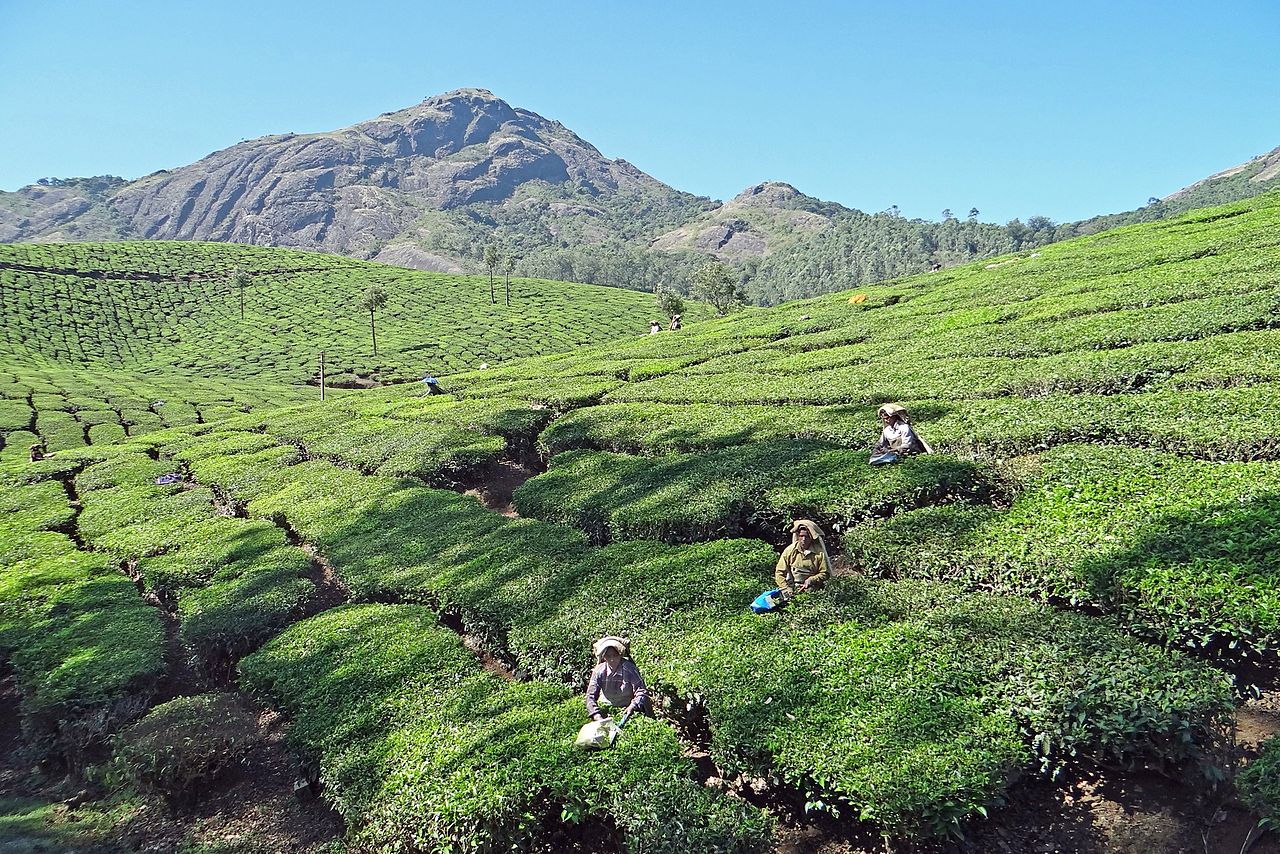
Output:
x=795 y=567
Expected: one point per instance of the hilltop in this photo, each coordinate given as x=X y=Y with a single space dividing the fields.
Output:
x=1077 y=586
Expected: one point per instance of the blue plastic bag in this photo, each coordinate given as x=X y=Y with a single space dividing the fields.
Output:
x=770 y=600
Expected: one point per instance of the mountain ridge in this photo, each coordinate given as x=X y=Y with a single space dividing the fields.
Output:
x=431 y=185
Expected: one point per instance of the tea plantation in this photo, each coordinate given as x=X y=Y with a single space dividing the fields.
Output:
x=152 y=307
x=1083 y=570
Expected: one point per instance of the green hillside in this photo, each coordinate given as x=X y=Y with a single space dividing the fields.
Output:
x=152 y=307
x=1078 y=573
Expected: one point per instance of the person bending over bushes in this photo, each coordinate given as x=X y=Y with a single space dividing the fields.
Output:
x=805 y=564
x=897 y=439
x=615 y=682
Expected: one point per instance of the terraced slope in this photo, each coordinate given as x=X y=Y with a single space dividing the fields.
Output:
x=152 y=307
x=1075 y=399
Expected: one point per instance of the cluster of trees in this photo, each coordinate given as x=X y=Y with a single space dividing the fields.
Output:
x=862 y=248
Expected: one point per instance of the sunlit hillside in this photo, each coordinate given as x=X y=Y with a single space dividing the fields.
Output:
x=1082 y=572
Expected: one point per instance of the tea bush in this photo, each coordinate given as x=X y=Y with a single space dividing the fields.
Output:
x=1104 y=415
x=1259 y=784
x=727 y=491
x=1178 y=548
x=87 y=652
x=182 y=746
x=156 y=304
x=419 y=746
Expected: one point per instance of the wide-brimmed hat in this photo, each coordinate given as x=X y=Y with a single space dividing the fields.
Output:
x=892 y=409
x=622 y=645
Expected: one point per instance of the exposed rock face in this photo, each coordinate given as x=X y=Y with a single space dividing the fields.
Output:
x=756 y=222
x=1263 y=170
x=408 y=255
x=352 y=190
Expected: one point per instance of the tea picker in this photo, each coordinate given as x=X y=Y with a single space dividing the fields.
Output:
x=615 y=683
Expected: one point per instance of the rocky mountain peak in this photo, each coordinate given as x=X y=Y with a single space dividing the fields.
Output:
x=770 y=194
x=355 y=190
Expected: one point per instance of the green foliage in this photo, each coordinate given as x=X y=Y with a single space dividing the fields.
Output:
x=235 y=581
x=87 y=652
x=151 y=307
x=182 y=746
x=728 y=491
x=544 y=597
x=1038 y=378
x=417 y=744
x=1259 y=784
x=669 y=303
x=1180 y=549
x=713 y=283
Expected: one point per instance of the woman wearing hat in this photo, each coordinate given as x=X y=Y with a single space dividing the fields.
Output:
x=615 y=681
x=897 y=439
x=805 y=564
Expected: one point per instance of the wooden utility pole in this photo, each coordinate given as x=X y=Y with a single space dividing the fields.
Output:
x=322 y=375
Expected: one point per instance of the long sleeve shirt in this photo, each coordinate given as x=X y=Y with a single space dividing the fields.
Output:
x=623 y=687
x=797 y=566
x=897 y=437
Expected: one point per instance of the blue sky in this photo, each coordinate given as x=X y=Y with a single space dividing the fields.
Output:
x=1063 y=109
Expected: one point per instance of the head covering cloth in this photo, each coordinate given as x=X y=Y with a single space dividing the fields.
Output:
x=894 y=410
x=815 y=533
x=622 y=645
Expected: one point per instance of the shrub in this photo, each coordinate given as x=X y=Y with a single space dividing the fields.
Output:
x=1259 y=784
x=182 y=746
x=697 y=497
x=1179 y=549
x=418 y=745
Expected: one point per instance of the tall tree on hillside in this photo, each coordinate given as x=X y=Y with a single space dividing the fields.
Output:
x=374 y=299
x=973 y=213
x=240 y=280
x=669 y=303
x=715 y=284
x=507 y=271
x=947 y=214
x=491 y=260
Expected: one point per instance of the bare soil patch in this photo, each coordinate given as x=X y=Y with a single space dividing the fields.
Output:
x=497 y=484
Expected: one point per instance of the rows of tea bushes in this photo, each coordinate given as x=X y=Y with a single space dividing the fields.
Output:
x=1152 y=346
x=729 y=491
x=438 y=438
x=63 y=407
x=421 y=748
x=1236 y=422
x=538 y=594
x=1102 y=412
x=233 y=582
x=165 y=305
x=87 y=652
x=1180 y=548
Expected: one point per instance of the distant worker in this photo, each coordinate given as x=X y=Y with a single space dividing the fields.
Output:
x=433 y=385
x=38 y=450
x=805 y=564
x=616 y=684
x=675 y=322
x=898 y=439
x=655 y=327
